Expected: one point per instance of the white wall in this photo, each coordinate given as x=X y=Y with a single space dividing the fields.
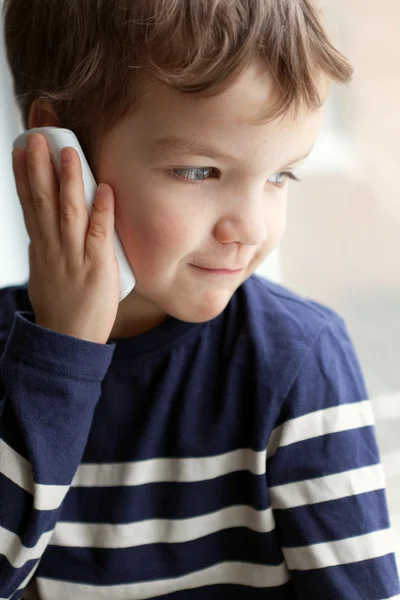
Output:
x=13 y=237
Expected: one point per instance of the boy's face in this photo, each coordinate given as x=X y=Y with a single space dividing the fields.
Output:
x=182 y=210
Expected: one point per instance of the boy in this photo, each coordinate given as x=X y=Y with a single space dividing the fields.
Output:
x=210 y=436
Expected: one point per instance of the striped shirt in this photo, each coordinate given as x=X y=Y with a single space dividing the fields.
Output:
x=230 y=459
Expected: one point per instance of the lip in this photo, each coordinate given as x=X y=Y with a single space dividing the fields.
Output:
x=219 y=271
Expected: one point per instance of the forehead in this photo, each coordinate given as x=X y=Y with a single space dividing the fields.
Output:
x=230 y=120
x=245 y=99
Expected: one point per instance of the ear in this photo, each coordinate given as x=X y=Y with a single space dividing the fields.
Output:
x=42 y=114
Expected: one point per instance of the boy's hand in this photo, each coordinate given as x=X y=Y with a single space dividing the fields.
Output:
x=74 y=278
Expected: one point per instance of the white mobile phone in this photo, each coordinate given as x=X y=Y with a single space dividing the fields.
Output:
x=57 y=139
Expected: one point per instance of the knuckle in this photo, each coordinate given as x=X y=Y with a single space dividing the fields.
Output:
x=68 y=212
x=40 y=200
x=100 y=207
x=92 y=261
x=97 y=230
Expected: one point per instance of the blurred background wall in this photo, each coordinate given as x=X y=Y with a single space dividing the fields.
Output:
x=342 y=245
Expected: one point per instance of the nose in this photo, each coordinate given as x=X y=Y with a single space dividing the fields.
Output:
x=244 y=224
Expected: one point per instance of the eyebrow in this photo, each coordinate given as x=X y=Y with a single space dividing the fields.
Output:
x=194 y=147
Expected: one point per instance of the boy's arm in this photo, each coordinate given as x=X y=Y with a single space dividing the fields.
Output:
x=327 y=486
x=51 y=384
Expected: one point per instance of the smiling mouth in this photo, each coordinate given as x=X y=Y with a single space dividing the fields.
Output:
x=219 y=271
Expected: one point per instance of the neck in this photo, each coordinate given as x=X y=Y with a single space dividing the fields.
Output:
x=136 y=315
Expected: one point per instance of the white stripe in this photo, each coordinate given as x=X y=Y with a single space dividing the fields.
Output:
x=169 y=469
x=49 y=497
x=321 y=422
x=237 y=573
x=340 y=552
x=16 y=468
x=157 y=531
x=180 y=470
x=329 y=487
x=151 y=531
x=16 y=553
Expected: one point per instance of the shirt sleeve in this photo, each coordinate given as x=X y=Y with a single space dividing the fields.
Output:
x=326 y=482
x=50 y=384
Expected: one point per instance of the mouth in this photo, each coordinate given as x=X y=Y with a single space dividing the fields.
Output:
x=218 y=270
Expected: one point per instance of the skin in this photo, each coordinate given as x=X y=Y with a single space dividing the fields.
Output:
x=230 y=212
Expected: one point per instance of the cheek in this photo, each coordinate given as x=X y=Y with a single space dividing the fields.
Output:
x=154 y=231
x=276 y=225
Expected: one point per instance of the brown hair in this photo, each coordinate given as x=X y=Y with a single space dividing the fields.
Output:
x=90 y=57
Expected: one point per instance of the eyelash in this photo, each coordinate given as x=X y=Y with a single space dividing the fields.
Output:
x=288 y=175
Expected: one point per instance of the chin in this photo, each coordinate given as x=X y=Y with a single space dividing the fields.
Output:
x=201 y=312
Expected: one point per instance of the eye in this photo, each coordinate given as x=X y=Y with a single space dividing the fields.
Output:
x=199 y=174
x=282 y=176
x=193 y=174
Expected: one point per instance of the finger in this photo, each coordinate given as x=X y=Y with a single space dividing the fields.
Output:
x=100 y=235
x=44 y=189
x=74 y=218
x=24 y=192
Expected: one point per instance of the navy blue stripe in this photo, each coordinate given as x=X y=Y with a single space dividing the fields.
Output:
x=203 y=422
x=233 y=592
x=165 y=500
x=304 y=405
x=155 y=561
x=11 y=578
x=323 y=455
x=10 y=430
x=373 y=579
x=16 y=506
x=333 y=520
x=224 y=592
